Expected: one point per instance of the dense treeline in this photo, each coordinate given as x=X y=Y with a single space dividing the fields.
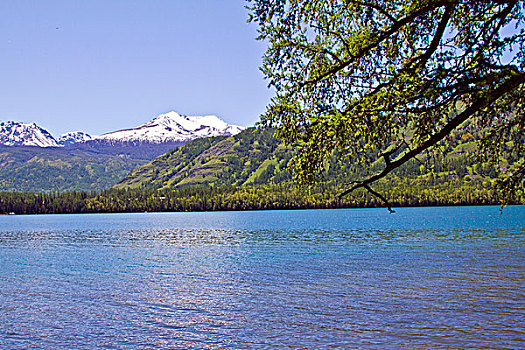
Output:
x=402 y=192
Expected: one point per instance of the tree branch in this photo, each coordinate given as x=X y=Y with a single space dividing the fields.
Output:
x=422 y=59
x=386 y=154
x=378 y=195
x=380 y=38
x=476 y=105
x=375 y=7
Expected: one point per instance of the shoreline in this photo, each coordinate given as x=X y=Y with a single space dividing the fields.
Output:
x=502 y=208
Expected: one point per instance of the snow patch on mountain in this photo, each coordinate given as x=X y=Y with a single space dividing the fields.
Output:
x=25 y=134
x=174 y=127
x=73 y=137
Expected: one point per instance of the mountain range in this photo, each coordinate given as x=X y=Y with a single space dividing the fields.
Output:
x=170 y=127
x=31 y=159
x=173 y=127
x=245 y=171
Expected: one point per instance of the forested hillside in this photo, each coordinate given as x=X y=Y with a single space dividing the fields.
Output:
x=251 y=157
x=256 y=157
x=250 y=197
x=93 y=165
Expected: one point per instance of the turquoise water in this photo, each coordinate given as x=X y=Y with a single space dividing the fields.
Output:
x=421 y=278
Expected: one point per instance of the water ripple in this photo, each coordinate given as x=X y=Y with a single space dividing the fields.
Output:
x=104 y=283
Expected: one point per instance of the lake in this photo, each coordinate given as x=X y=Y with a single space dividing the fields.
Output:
x=422 y=278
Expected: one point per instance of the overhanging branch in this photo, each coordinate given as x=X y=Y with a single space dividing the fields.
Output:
x=477 y=104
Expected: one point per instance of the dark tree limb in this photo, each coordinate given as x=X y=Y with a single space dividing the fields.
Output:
x=380 y=196
x=502 y=15
x=388 y=153
x=422 y=59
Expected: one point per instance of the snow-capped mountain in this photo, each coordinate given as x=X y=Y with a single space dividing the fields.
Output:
x=25 y=134
x=73 y=137
x=173 y=127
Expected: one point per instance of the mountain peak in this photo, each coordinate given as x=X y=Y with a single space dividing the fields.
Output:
x=167 y=117
x=73 y=137
x=174 y=127
x=25 y=134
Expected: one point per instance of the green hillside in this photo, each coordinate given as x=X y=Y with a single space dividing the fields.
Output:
x=88 y=166
x=39 y=169
x=242 y=172
x=251 y=157
x=249 y=171
x=256 y=158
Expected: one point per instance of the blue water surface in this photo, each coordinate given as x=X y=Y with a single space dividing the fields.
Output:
x=422 y=278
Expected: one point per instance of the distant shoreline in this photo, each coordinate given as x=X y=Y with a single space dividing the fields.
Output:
x=268 y=209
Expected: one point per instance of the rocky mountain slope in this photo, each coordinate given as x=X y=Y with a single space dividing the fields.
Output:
x=71 y=138
x=25 y=134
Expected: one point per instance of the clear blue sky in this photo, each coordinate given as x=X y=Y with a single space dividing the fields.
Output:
x=100 y=66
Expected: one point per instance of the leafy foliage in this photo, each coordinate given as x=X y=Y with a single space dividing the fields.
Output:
x=389 y=80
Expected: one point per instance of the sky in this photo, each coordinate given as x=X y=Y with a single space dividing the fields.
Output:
x=103 y=65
